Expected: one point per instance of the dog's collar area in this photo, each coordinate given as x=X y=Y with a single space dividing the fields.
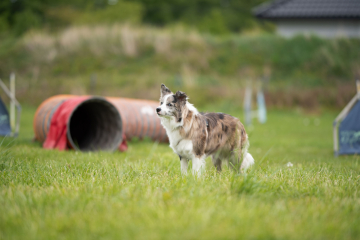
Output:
x=176 y=128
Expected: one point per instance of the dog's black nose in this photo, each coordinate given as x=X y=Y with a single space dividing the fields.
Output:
x=158 y=109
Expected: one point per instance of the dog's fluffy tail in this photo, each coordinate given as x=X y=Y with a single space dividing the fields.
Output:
x=247 y=158
x=247 y=162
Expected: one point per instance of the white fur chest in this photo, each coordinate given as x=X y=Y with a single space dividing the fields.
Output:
x=180 y=146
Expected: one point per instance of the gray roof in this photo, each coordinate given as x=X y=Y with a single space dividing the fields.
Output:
x=309 y=9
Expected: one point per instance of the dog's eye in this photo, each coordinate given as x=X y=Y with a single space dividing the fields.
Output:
x=161 y=103
x=169 y=104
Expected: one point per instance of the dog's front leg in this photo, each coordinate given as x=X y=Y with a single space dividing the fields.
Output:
x=198 y=165
x=184 y=165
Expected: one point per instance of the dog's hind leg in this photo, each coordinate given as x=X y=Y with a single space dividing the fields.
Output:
x=184 y=165
x=234 y=159
x=217 y=162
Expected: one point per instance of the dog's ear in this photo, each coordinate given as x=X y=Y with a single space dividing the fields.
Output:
x=181 y=101
x=181 y=96
x=164 y=90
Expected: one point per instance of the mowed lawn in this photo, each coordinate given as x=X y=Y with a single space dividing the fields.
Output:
x=140 y=194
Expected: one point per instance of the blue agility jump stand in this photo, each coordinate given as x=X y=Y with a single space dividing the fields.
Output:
x=5 y=129
x=346 y=127
x=5 y=122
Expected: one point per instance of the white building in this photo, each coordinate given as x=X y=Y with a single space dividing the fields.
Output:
x=325 y=18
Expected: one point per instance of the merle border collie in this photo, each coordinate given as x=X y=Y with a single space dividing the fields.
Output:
x=195 y=136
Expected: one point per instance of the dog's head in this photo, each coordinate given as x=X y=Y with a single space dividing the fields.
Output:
x=171 y=105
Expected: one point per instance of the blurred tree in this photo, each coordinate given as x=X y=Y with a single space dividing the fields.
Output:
x=26 y=20
x=216 y=16
x=214 y=22
x=4 y=25
x=117 y=11
x=21 y=15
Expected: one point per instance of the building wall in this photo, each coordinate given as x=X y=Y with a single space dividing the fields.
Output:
x=322 y=28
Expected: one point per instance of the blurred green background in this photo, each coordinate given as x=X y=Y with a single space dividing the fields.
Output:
x=212 y=16
x=209 y=49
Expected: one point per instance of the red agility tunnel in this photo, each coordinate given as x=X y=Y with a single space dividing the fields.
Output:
x=90 y=123
x=139 y=118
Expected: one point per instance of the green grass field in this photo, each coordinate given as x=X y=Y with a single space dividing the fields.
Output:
x=141 y=194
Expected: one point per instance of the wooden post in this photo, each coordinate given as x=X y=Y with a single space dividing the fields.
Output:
x=12 y=103
x=247 y=105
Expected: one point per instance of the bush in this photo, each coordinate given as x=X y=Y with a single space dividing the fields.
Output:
x=217 y=17
x=120 y=12
x=26 y=20
x=4 y=26
x=213 y=23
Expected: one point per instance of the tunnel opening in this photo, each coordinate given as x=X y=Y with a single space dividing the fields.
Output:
x=95 y=125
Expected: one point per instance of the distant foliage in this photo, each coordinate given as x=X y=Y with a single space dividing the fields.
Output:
x=4 y=25
x=26 y=20
x=216 y=17
x=120 y=12
x=20 y=15
x=133 y=60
